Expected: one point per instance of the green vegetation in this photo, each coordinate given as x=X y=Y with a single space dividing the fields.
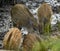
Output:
x=38 y=46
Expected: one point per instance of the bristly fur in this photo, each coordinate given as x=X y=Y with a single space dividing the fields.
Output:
x=22 y=17
x=29 y=41
x=12 y=39
x=44 y=16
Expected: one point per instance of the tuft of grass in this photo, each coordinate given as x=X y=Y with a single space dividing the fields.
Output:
x=55 y=46
x=38 y=46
